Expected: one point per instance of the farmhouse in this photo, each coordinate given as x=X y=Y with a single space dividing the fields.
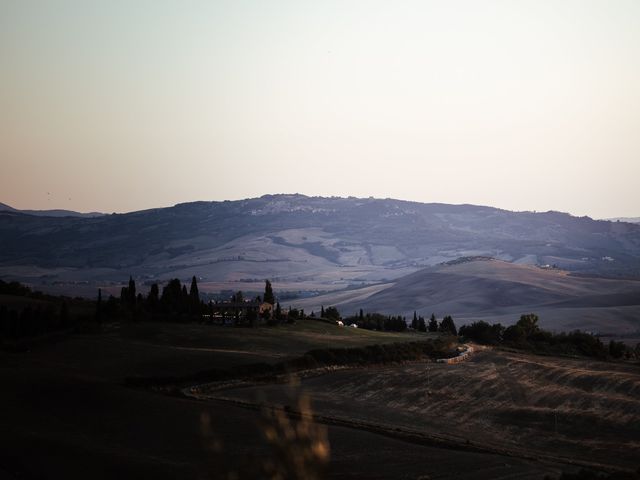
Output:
x=229 y=313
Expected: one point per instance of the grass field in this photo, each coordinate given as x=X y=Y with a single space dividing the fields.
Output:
x=169 y=349
x=538 y=407
x=66 y=413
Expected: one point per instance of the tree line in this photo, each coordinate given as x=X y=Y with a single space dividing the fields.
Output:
x=391 y=323
x=33 y=313
x=527 y=335
x=36 y=313
x=178 y=303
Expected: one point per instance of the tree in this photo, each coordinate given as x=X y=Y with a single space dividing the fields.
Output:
x=321 y=311
x=617 y=349
x=433 y=323
x=132 y=292
x=153 y=299
x=515 y=334
x=482 y=332
x=172 y=297
x=268 y=293
x=184 y=298
x=529 y=324
x=447 y=326
x=111 y=307
x=331 y=313
x=414 y=322
x=422 y=326
x=124 y=296
x=194 y=294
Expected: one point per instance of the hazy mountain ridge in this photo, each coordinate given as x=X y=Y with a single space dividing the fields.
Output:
x=298 y=238
x=625 y=219
x=50 y=213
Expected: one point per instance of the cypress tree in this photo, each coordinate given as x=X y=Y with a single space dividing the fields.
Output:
x=193 y=291
x=422 y=326
x=194 y=296
x=447 y=326
x=433 y=323
x=132 y=292
x=268 y=293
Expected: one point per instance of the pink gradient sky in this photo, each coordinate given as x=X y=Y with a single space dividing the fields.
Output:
x=120 y=106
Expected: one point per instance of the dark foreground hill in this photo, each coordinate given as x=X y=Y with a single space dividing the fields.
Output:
x=304 y=243
x=67 y=412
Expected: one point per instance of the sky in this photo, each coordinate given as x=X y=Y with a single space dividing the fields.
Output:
x=121 y=106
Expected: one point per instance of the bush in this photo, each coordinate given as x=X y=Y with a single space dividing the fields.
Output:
x=482 y=332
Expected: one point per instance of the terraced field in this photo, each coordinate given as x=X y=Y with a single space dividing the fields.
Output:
x=554 y=409
x=67 y=411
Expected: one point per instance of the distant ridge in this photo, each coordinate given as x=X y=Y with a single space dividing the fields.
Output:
x=50 y=213
x=625 y=219
x=306 y=245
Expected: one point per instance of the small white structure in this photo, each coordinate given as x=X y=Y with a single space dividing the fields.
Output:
x=464 y=352
x=339 y=323
x=353 y=325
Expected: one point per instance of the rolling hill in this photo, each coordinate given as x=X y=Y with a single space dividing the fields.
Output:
x=305 y=244
x=494 y=290
x=50 y=213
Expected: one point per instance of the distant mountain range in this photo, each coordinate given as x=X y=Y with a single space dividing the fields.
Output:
x=305 y=244
x=50 y=213
x=625 y=219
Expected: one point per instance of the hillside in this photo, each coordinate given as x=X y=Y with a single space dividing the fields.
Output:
x=306 y=244
x=495 y=290
x=540 y=407
x=625 y=219
x=50 y=213
x=67 y=410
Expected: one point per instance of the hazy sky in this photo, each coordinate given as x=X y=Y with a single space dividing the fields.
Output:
x=119 y=105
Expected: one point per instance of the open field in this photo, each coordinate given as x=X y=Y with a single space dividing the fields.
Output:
x=560 y=409
x=494 y=290
x=67 y=414
x=169 y=349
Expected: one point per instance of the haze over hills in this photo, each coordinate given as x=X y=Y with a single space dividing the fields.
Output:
x=303 y=243
x=50 y=213
x=625 y=219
